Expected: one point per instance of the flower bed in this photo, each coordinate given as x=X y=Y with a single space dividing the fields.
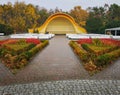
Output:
x=106 y=41
x=99 y=52
x=79 y=51
x=15 y=54
x=107 y=58
x=8 y=41
x=32 y=40
x=83 y=41
x=110 y=42
x=18 y=48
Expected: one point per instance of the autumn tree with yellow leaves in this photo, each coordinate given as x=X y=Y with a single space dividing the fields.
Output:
x=19 y=16
x=79 y=15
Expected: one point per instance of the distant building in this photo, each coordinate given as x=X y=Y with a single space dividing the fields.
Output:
x=113 y=31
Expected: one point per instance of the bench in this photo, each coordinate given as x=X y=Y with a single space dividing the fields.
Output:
x=1 y=34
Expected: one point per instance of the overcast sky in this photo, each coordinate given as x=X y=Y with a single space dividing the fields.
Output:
x=65 y=5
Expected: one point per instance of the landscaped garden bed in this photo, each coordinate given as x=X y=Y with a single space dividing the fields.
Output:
x=96 y=54
x=16 y=53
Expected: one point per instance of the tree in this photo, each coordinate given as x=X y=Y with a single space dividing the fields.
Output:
x=31 y=16
x=113 y=16
x=6 y=13
x=43 y=15
x=6 y=29
x=1 y=13
x=51 y=12
x=94 y=25
x=114 y=12
x=19 y=16
x=57 y=10
x=97 y=20
x=113 y=24
x=79 y=15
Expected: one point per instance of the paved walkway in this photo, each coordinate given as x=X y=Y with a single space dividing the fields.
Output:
x=76 y=87
x=56 y=62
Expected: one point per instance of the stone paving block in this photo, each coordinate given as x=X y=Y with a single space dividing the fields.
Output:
x=67 y=87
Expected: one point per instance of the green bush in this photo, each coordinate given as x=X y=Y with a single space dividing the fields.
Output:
x=83 y=55
x=86 y=47
x=18 y=47
x=3 y=51
x=107 y=58
x=45 y=43
x=72 y=44
x=98 y=50
x=35 y=49
x=97 y=42
x=27 y=55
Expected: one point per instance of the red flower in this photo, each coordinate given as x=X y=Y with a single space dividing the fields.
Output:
x=3 y=42
x=33 y=40
x=111 y=42
x=82 y=41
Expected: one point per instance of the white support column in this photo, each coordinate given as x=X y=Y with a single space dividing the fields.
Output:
x=115 y=32
x=110 y=32
x=105 y=32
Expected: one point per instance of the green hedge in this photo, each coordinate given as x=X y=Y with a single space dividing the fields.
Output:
x=79 y=51
x=34 y=50
x=98 y=50
x=18 y=48
x=20 y=60
x=107 y=58
x=86 y=47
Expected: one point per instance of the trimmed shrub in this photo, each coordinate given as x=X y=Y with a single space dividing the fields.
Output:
x=98 y=50
x=79 y=51
x=72 y=44
x=45 y=43
x=86 y=47
x=107 y=58
x=18 y=47
x=35 y=49
x=97 y=42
